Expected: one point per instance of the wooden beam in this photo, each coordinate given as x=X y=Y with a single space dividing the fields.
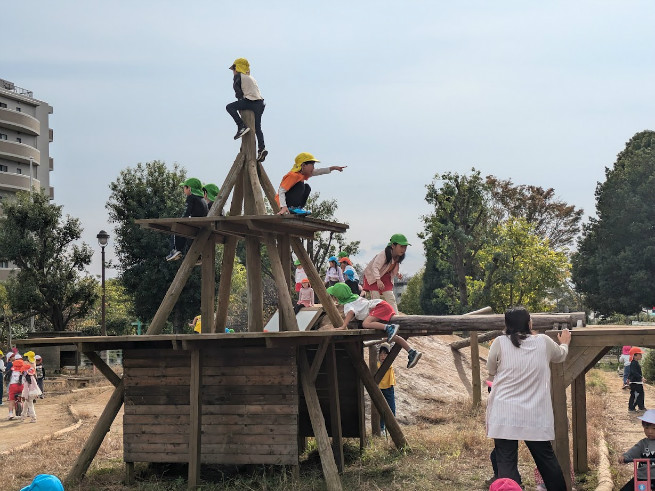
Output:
x=580 y=360
x=207 y=287
x=384 y=367
x=330 y=471
x=317 y=283
x=446 y=324
x=373 y=368
x=102 y=367
x=376 y=395
x=579 y=424
x=318 y=359
x=228 y=184
x=475 y=370
x=178 y=284
x=561 y=443
x=195 y=419
x=335 y=407
x=97 y=435
x=285 y=304
x=255 y=287
x=268 y=188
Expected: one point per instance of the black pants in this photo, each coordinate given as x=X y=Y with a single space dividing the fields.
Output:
x=298 y=194
x=507 y=456
x=256 y=107
x=180 y=243
x=636 y=397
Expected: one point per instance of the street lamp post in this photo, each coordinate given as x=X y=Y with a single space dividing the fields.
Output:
x=103 y=238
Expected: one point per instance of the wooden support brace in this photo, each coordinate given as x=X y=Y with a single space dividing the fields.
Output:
x=487 y=336
x=284 y=298
x=195 y=419
x=335 y=406
x=330 y=471
x=561 y=443
x=373 y=368
x=268 y=188
x=102 y=367
x=387 y=362
x=228 y=184
x=207 y=287
x=475 y=370
x=318 y=359
x=579 y=424
x=96 y=437
x=376 y=395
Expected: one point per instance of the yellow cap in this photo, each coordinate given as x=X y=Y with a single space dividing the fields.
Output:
x=301 y=158
x=241 y=65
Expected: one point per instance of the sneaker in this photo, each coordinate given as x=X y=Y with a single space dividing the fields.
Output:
x=241 y=132
x=294 y=210
x=413 y=357
x=391 y=330
x=261 y=155
x=174 y=255
x=632 y=410
x=33 y=420
x=11 y=416
x=199 y=262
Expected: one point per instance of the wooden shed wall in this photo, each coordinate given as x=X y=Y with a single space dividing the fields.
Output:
x=249 y=405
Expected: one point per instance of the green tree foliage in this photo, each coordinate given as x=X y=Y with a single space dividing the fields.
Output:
x=410 y=301
x=150 y=190
x=119 y=312
x=648 y=365
x=614 y=266
x=520 y=268
x=49 y=283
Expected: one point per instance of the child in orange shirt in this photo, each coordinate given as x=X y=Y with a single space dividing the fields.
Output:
x=293 y=192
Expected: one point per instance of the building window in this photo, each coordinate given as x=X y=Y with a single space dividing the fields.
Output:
x=3 y=136
x=4 y=264
x=19 y=170
x=18 y=109
x=2 y=104
x=19 y=139
x=4 y=168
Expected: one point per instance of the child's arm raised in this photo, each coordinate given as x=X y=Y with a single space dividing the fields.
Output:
x=349 y=316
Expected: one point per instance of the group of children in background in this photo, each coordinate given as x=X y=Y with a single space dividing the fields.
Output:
x=24 y=376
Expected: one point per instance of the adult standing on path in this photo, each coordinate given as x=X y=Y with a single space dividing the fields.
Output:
x=520 y=407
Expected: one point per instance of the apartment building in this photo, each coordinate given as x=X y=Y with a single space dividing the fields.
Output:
x=25 y=138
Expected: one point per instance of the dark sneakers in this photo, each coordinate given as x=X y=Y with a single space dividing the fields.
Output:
x=413 y=357
x=391 y=330
x=174 y=255
x=241 y=132
x=261 y=155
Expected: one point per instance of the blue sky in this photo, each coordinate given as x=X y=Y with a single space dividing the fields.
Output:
x=544 y=93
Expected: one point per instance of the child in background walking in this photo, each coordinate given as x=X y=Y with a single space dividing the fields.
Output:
x=293 y=193
x=387 y=382
x=40 y=374
x=346 y=265
x=636 y=380
x=625 y=359
x=30 y=392
x=299 y=275
x=380 y=272
x=15 y=385
x=248 y=97
x=305 y=296
x=2 y=376
x=373 y=314
x=644 y=449
x=333 y=274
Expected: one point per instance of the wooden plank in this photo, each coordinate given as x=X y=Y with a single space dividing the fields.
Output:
x=252 y=449
x=103 y=367
x=258 y=199
x=318 y=359
x=335 y=408
x=376 y=395
x=195 y=418
x=475 y=370
x=236 y=459
x=250 y=370
x=207 y=287
x=97 y=435
x=579 y=424
x=378 y=374
x=226 y=409
x=317 y=283
x=284 y=251
x=561 y=443
x=255 y=288
x=582 y=360
x=168 y=422
x=284 y=298
x=170 y=458
x=330 y=471
x=164 y=372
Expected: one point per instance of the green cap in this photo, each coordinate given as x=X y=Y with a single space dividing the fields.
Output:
x=398 y=239
x=195 y=185
x=212 y=191
x=296 y=262
x=342 y=293
x=342 y=254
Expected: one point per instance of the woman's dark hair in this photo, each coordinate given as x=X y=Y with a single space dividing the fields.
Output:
x=517 y=324
x=387 y=255
x=28 y=378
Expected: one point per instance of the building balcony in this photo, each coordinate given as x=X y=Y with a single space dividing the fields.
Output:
x=21 y=122
x=51 y=135
x=52 y=164
x=17 y=182
x=19 y=152
x=52 y=192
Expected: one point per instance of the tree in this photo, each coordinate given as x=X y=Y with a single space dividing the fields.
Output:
x=37 y=240
x=454 y=233
x=614 y=266
x=520 y=268
x=410 y=301
x=119 y=312
x=552 y=218
x=150 y=190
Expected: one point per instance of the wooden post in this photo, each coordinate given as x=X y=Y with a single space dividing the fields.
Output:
x=284 y=299
x=195 y=419
x=129 y=473
x=317 y=283
x=284 y=253
x=579 y=424
x=561 y=443
x=335 y=407
x=373 y=368
x=207 y=286
x=227 y=267
x=376 y=395
x=99 y=363
x=487 y=336
x=330 y=471
x=96 y=437
x=268 y=188
x=475 y=370
x=229 y=183
x=255 y=287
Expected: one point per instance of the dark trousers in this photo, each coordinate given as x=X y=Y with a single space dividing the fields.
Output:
x=390 y=397
x=178 y=243
x=298 y=194
x=636 y=397
x=39 y=382
x=297 y=308
x=256 y=107
x=507 y=456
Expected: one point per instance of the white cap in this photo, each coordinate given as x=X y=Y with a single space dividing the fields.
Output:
x=649 y=416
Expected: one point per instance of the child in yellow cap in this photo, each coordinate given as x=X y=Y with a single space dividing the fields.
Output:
x=293 y=192
x=248 y=97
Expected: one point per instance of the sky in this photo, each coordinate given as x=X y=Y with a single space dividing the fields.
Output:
x=543 y=93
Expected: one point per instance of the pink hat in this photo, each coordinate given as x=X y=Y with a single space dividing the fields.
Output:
x=626 y=350
x=504 y=484
x=489 y=383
